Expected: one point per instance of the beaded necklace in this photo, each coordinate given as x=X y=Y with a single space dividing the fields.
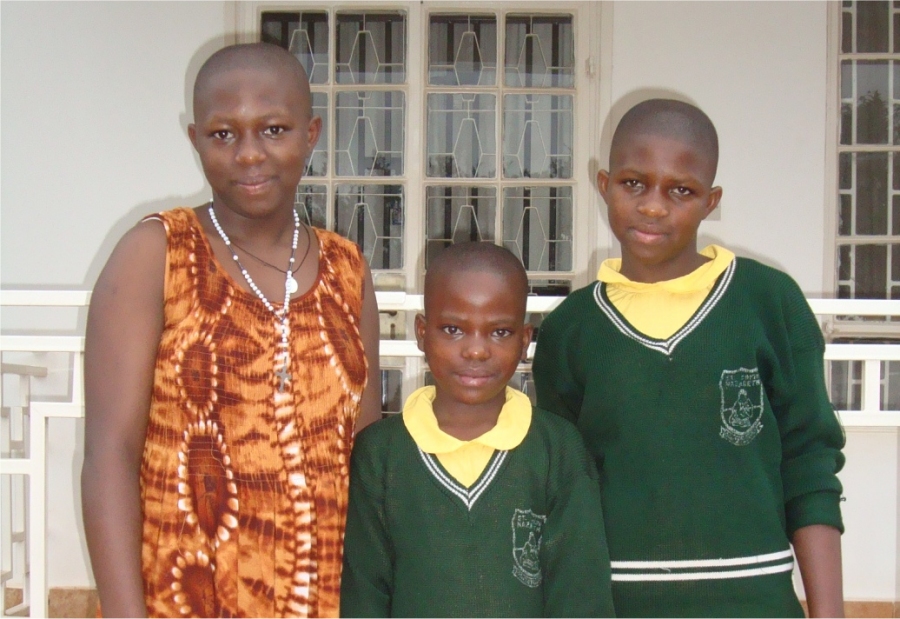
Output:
x=290 y=287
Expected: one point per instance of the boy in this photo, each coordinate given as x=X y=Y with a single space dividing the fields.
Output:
x=471 y=503
x=696 y=379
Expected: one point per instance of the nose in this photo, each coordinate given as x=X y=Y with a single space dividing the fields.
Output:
x=653 y=205
x=476 y=349
x=250 y=150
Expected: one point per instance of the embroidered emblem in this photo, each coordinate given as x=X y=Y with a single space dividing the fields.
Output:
x=528 y=529
x=742 y=405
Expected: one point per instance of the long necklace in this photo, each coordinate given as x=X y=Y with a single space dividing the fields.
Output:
x=272 y=266
x=290 y=287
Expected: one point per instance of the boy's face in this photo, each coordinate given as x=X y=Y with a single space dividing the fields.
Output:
x=474 y=336
x=253 y=133
x=658 y=190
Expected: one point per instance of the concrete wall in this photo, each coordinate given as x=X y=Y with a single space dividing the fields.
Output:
x=95 y=99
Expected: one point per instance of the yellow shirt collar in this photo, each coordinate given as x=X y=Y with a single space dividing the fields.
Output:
x=699 y=279
x=419 y=419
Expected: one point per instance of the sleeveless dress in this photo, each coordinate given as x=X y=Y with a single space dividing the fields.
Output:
x=244 y=489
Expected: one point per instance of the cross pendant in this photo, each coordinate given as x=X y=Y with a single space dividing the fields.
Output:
x=284 y=377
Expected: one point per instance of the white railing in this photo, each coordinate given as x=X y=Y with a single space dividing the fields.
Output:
x=24 y=424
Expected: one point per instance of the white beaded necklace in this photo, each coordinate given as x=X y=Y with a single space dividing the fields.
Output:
x=290 y=287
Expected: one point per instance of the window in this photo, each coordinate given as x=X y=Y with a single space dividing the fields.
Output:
x=444 y=125
x=868 y=184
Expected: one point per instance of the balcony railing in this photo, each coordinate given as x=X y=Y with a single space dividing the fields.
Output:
x=23 y=442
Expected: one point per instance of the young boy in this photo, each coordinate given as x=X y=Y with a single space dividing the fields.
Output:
x=696 y=379
x=472 y=503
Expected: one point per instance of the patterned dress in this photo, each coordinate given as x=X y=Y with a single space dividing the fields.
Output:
x=244 y=488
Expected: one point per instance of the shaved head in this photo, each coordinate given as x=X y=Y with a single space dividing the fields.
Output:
x=476 y=256
x=668 y=118
x=258 y=57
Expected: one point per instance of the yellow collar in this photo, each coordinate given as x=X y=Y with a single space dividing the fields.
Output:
x=419 y=419
x=700 y=278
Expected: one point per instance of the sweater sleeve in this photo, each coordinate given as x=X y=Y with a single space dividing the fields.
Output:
x=367 y=578
x=575 y=557
x=555 y=383
x=811 y=433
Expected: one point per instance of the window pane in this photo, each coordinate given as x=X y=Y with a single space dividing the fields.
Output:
x=461 y=132
x=537 y=136
x=372 y=217
x=872 y=19
x=890 y=394
x=897 y=33
x=371 y=48
x=872 y=103
x=462 y=50
x=845 y=390
x=537 y=226
x=277 y=27
x=455 y=214
x=844 y=262
x=870 y=272
x=318 y=159
x=845 y=219
x=895 y=263
x=370 y=129
x=846 y=31
x=895 y=215
x=309 y=43
x=311 y=202
x=845 y=175
x=391 y=391
x=540 y=51
x=871 y=193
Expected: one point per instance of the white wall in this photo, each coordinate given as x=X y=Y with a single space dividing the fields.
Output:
x=758 y=70
x=94 y=100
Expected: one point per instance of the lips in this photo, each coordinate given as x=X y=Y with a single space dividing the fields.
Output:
x=474 y=378
x=254 y=184
x=647 y=235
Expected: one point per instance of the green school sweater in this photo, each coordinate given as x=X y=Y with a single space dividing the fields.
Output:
x=525 y=540
x=713 y=446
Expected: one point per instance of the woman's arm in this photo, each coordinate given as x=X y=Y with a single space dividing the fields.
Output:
x=124 y=325
x=370 y=331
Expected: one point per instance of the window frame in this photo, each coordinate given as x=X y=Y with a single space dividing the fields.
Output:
x=838 y=326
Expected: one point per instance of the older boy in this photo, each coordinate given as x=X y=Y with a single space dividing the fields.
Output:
x=471 y=503
x=697 y=381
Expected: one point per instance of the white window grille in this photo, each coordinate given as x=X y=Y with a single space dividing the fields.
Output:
x=447 y=123
x=867 y=188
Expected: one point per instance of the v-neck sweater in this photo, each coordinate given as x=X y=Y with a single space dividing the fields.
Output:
x=465 y=460
x=525 y=540
x=659 y=309
x=713 y=445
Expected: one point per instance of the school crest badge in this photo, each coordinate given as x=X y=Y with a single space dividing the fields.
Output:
x=742 y=405
x=528 y=530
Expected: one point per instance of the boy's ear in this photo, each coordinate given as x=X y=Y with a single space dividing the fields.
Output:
x=192 y=134
x=603 y=182
x=715 y=196
x=420 y=331
x=527 y=332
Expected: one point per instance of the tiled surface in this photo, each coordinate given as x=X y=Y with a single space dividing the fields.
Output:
x=83 y=603
x=68 y=602
x=868 y=610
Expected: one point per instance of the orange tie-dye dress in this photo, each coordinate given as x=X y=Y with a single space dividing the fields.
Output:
x=244 y=488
